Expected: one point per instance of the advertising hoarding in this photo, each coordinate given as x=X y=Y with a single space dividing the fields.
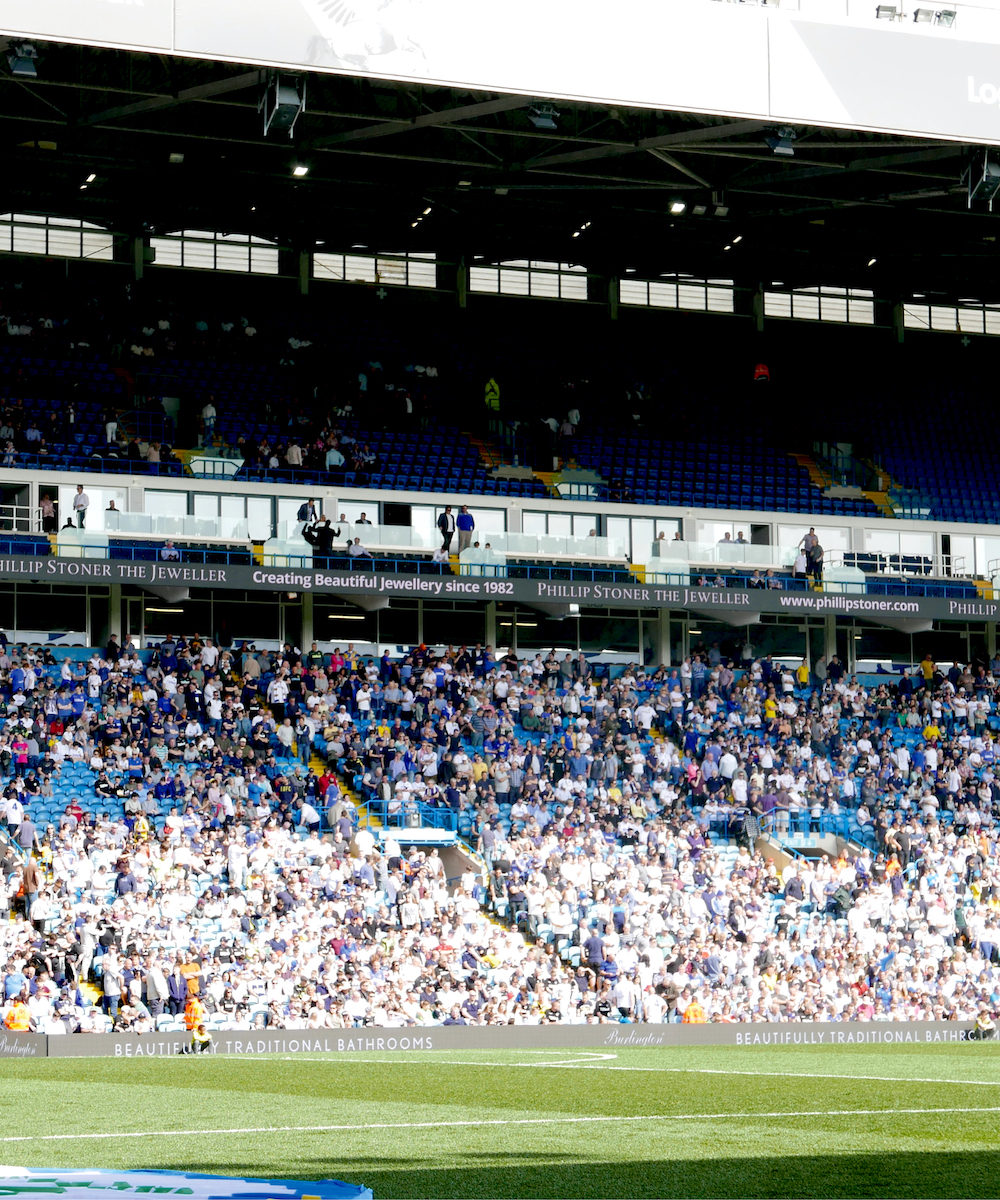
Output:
x=693 y=56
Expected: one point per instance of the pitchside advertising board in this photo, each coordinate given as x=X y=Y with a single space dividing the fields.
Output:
x=694 y=56
x=372 y=589
x=34 y=1181
x=597 y=1041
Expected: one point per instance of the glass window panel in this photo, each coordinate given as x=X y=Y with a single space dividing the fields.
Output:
x=582 y=525
x=861 y=312
x=484 y=279
x=359 y=269
x=992 y=320
x=777 y=304
x=514 y=283
x=233 y=506
x=489 y=520
x=669 y=526
x=232 y=237
x=618 y=529
x=328 y=266
x=916 y=543
x=422 y=271
x=560 y=525
x=690 y=297
x=264 y=260
x=354 y=512
x=391 y=270
x=970 y=320
x=916 y=316
x=943 y=318
x=880 y=541
x=643 y=533
x=834 y=308
x=259 y=517
x=232 y=257
x=573 y=287
x=206 y=504
x=720 y=299
x=64 y=242
x=533 y=523
x=200 y=254
x=29 y=239
x=98 y=245
x=168 y=251
x=544 y=283
x=805 y=307
x=633 y=291
x=662 y=295
x=6 y=236
x=422 y=521
x=165 y=504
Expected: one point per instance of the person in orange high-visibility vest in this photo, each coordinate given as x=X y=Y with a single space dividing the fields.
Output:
x=194 y=1013
x=18 y=1018
x=694 y=1014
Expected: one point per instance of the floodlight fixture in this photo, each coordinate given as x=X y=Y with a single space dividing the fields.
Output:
x=543 y=116
x=21 y=58
x=282 y=102
x=300 y=171
x=677 y=207
x=982 y=179
x=781 y=140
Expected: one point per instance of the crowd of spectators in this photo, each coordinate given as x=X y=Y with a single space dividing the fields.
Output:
x=202 y=870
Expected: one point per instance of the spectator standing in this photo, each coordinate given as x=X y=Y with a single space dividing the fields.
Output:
x=81 y=502
x=208 y=418
x=446 y=523
x=466 y=524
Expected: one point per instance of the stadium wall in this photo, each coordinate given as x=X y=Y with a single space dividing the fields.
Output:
x=490 y=1037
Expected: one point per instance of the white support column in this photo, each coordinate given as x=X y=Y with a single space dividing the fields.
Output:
x=663 y=640
x=830 y=638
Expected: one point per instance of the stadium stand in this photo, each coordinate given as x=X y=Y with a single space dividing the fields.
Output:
x=177 y=826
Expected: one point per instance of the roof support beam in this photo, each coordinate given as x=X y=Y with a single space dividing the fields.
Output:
x=446 y=116
x=233 y=83
x=705 y=133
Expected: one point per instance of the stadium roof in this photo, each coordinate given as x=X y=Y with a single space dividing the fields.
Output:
x=497 y=184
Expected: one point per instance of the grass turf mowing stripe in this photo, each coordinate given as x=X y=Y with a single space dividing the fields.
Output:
x=357 y=1127
x=340 y=1060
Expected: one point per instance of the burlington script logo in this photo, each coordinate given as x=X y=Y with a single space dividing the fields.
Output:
x=10 y=1047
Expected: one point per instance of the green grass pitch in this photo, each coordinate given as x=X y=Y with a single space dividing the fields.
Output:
x=703 y=1121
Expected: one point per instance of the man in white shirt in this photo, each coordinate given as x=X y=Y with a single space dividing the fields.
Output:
x=81 y=502
x=208 y=416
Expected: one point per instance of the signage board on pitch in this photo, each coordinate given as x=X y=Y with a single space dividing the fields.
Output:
x=34 y=1181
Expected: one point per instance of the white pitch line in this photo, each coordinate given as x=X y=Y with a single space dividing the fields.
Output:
x=354 y=1127
x=451 y=1062
x=577 y=1065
